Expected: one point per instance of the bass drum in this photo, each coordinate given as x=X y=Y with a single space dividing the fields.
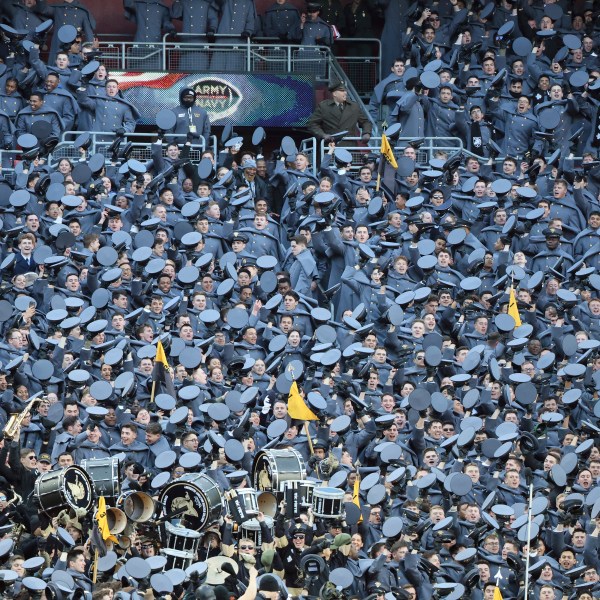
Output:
x=105 y=475
x=197 y=496
x=70 y=487
x=272 y=467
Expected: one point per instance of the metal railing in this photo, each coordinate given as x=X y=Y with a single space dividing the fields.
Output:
x=309 y=147
x=313 y=148
x=246 y=56
x=189 y=52
x=141 y=142
x=316 y=149
x=264 y=54
x=363 y=70
x=9 y=160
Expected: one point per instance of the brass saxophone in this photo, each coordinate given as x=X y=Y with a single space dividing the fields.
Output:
x=18 y=528
x=15 y=420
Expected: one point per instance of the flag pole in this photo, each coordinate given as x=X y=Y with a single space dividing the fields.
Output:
x=529 y=515
x=379 y=166
x=153 y=392
x=95 y=571
x=310 y=444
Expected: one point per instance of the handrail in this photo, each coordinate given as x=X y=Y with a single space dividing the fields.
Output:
x=99 y=142
x=350 y=41
x=430 y=145
x=309 y=147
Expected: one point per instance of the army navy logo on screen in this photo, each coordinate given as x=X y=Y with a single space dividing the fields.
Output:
x=217 y=96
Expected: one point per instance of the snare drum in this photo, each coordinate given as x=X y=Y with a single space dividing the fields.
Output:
x=251 y=530
x=306 y=490
x=328 y=503
x=70 y=487
x=105 y=475
x=291 y=495
x=272 y=467
x=242 y=504
x=303 y=489
x=180 y=538
x=199 y=495
x=177 y=559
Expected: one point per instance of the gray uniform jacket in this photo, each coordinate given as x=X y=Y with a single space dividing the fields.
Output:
x=67 y=13
x=151 y=18
x=26 y=118
x=65 y=105
x=280 y=21
x=198 y=16
x=108 y=113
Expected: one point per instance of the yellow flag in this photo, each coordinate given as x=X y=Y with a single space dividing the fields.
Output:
x=356 y=496
x=386 y=150
x=513 y=311
x=497 y=594
x=103 y=522
x=297 y=408
x=162 y=383
x=161 y=357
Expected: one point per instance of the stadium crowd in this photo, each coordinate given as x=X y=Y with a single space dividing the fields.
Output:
x=254 y=377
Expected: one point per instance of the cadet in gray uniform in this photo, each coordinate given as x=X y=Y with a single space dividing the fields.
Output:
x=69 y=12
x=201 y=19
x=238 y=18
x=110 y=112
x=61 y=101
x=11 y=101
x=152 y=19
x=312 y=31
x=281 y=20
x=36 y=111
x=21 y=15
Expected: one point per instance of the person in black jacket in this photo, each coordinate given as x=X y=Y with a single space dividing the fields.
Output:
x=191 y=118
x=21 y=470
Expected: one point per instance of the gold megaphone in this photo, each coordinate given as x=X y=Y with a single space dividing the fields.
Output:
x=267 y=504
x=117 y=520
x=138 y=506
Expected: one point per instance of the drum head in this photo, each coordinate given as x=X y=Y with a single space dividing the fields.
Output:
x=272 y=467
x=187 y=496
x=267 y=503
x=79 y=490
x=262 y=472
